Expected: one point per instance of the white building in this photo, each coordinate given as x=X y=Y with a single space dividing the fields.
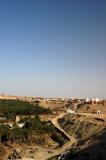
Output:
x=20 y=125
x=97 y=99
x=87 y=100
x=70 y=112
x=98 y=112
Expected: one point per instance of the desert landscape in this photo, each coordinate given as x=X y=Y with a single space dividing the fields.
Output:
x=69 y=129
x=52 y=79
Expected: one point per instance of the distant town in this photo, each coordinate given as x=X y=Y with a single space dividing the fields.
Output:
x=57 y=100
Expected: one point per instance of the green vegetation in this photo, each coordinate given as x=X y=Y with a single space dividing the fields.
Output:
x=72 y=154
x=1 y=121
x=11 y=108
x=34 y=124
x=33 y=127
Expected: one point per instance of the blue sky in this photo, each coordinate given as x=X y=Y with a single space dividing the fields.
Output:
x=53 y=48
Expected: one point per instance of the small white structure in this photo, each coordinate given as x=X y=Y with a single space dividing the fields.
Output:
x=97 y=99
x=20 y=125
x=87 y=100
x=70 y=112
x=98 y=112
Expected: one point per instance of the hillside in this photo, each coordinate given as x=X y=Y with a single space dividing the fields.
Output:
x=80 y=126
x=90 y=132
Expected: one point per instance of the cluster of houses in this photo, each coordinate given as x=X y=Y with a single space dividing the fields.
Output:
x=10 y=123
x=43 y=101
x=95 y=101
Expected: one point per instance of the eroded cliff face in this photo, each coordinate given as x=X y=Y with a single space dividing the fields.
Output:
x=92 y=148
x=90 y=133
x=79 y=126
x=85 y=129
x=34 y=147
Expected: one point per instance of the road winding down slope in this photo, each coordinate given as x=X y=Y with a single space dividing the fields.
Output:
x=67 y=145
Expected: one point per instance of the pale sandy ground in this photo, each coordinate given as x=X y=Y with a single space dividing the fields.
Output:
x=40 y=154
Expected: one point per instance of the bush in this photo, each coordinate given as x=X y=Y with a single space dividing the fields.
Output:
x=11 y=108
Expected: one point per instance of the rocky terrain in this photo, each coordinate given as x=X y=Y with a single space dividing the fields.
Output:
x=90 y=132
x=57 y=136
x=80 y=126
x=33 y=148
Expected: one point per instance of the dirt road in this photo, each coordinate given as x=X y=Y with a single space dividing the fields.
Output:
x=68 y=144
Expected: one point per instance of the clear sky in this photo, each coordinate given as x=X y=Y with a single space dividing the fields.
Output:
x=53 y=48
